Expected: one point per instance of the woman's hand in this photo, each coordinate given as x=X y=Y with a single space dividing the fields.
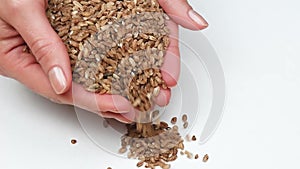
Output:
x=47 y=70
x=182 y=14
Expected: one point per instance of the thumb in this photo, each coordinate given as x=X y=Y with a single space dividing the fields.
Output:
x=182 y=13
x=50 y=52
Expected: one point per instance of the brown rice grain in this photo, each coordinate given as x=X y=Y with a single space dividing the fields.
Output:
x=205 y=158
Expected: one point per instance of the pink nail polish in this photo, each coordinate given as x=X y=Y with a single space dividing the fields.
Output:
x=57 y=79
x=197 y=18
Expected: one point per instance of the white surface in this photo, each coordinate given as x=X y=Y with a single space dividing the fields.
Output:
x=258 y=45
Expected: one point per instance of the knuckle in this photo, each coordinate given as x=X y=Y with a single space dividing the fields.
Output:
x=43 y=48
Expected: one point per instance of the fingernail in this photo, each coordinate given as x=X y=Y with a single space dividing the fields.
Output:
x=163 y=98
x=197 y=18
x=57 y=79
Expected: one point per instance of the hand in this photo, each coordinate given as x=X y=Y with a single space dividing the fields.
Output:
x=47 y=70
x=182 y=14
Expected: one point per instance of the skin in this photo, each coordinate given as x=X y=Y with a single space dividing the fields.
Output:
x=24 y=22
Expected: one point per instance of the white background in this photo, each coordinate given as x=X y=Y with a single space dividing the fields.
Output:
x=258 y=44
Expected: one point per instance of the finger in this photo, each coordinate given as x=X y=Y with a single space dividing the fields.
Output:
x=34 y=78
x=182 y=13
x=95 y=102
x=31 y=22
x=163 y=97
x=23 y=67
x=171 y=66
x=119 y=117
